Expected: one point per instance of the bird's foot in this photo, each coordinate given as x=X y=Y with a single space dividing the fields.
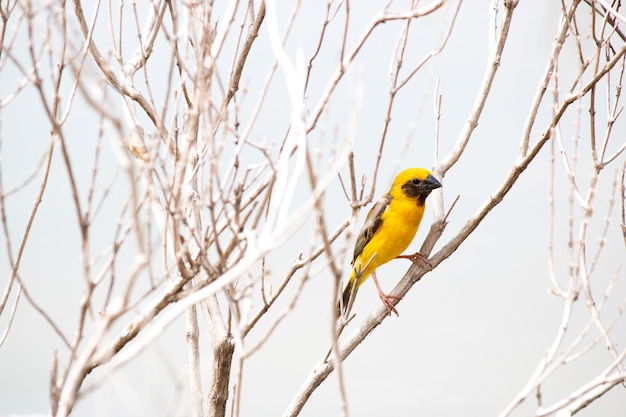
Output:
x=418 y=259
x=386 y=298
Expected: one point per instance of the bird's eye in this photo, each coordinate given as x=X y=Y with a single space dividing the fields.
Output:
x=415 y=181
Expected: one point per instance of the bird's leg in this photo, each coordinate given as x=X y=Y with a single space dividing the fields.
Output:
x=385 y=298
x=418 y=259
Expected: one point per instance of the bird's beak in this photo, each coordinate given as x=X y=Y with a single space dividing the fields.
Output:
x=431 y=183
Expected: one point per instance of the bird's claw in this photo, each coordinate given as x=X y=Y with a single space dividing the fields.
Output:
x=385 y=298
x=418 y=259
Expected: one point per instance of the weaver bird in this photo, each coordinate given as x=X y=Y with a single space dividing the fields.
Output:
x=389 y=228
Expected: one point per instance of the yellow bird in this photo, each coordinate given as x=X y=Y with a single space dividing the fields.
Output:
x=389 y=229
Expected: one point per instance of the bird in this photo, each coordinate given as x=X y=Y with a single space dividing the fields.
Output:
x=388 y=230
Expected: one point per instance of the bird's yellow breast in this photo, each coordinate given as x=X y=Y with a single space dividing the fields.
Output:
x=399 y=225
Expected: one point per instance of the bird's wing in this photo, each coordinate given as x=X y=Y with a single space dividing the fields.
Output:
x=371 y=225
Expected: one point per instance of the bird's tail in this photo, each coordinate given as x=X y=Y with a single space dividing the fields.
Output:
x=347 y=299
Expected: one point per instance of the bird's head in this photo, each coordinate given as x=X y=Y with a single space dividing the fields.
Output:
x=415 y=183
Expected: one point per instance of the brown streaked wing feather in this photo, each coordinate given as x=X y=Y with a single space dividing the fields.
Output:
x=371 y=225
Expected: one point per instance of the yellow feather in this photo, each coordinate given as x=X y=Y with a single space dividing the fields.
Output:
x=398 y=222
